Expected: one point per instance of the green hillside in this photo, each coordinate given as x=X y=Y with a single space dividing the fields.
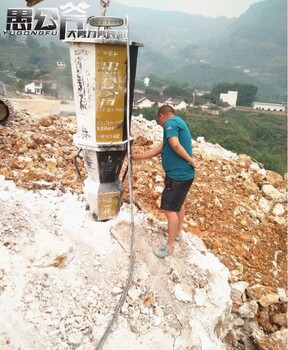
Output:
x=13 y=54
x=259 y=135
x=193 y=49
x=18 y=53
x=262 y=136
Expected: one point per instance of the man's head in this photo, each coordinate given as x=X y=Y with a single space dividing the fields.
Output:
x=164 y=112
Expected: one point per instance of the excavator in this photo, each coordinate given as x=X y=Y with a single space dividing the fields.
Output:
x=6 y=107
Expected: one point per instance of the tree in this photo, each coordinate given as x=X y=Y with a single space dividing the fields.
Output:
x=139 y=85
x=178 y=91
x=32 y=42
x=152 y=92
x=155 y=81
x=11 y=39
x=46 y=89
x=246 y=92
x=149 y=113
x=38 y=58
x=20 y=85
x=64 y=80
x=25 y=73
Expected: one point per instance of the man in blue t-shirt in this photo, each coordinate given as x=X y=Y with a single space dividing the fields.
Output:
x=179 y=166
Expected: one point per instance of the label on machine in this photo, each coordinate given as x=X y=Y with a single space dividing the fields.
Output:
x=108 y=205
x=110 y=92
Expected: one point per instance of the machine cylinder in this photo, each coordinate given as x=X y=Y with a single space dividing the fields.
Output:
x=101 y=82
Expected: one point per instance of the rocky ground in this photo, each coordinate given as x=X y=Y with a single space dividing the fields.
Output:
x=235 y=206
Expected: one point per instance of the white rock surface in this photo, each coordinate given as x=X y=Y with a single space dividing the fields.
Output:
x=62 y=274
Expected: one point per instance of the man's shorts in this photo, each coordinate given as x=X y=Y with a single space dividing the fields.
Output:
x=174 y=194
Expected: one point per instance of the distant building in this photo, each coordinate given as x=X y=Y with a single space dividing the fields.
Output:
x=146 y=81
x=265 y=106
x=34 y=88
x=230 y=97
x=176 y=103
x=137 y=91
x=200 y=92
x=143 y=102
x=61 y=65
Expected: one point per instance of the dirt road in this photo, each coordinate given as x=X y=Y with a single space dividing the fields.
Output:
x=41 y=106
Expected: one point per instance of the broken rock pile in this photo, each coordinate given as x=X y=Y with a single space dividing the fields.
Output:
x=235 y=206
x=239 y=209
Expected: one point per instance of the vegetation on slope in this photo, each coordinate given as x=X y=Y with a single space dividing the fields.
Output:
x=260 y=135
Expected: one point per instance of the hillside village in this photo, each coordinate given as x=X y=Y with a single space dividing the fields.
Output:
x=143 y=100
x=264 y=65
x=230 y=98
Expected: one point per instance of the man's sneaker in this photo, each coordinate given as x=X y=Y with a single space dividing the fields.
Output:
x=162 y=252
x=178 y=237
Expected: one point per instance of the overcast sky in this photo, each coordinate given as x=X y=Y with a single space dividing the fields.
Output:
x=209 y=8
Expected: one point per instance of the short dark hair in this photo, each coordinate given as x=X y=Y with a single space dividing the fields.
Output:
x=165 y=109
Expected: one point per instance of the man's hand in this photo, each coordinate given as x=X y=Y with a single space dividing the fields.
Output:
x=179 y=149
x=136 y=156
x=193 y=163
x=148 y=154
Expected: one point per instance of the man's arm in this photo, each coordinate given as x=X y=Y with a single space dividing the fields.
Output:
x=148 y=154
x=180 y=150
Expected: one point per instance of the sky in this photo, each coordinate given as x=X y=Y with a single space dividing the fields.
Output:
x=209 y=8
